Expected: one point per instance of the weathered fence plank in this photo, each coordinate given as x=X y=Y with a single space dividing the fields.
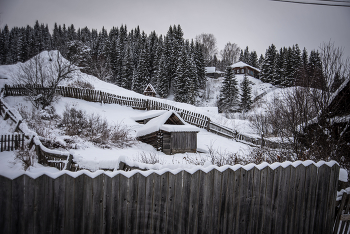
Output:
x=59 y=203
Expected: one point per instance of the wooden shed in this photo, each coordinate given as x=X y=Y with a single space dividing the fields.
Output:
x=170 y=134
x=149 y=91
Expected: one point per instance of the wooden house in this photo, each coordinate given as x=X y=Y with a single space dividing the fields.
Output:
x=243 y=68
x=170 y=134
x=212 y=72
x=149 y=91
x=336 y=118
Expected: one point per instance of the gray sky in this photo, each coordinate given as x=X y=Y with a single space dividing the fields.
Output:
x=253 y=23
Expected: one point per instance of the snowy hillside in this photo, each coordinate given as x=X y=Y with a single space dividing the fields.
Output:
x=92 y=157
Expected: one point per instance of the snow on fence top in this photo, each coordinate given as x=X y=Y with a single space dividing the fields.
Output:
x=161 y=169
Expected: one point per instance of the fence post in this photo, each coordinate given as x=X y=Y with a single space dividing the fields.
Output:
x=69 y=162
x=208 y=124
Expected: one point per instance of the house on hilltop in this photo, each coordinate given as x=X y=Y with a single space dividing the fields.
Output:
x=169 y=133
x=243 y=68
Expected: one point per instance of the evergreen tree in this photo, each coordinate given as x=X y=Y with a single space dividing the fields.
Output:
x=246 y=97
x=127 y=70
x=200 y=65
x=261 y=61
x=141 y=75
x=268 y=70
x=162 y=86
x=254 y=59
x=241 y=57
x=229 y=92
x=246 y=56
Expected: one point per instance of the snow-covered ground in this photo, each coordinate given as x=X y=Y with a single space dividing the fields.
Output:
x=92 y=157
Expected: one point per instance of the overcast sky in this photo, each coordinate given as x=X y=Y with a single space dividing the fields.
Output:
x=253 y=23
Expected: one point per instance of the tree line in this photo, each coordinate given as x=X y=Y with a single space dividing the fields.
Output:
x=129 y=59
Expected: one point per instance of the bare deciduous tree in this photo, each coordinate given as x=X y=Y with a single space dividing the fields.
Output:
x=47 y=72
x=230 y=54
x=209 y=44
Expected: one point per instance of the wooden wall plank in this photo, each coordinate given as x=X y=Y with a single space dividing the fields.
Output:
x=170 y=206
x=97 y=204
x=17 y=202
x=107 y=203
x=178 y=202
x=275 y=199
x=123 y=204
x=193 y=203
x=28 y=209
x=216 y=201
x=76 y=206
x=141 y=203
x=87 y=204
x=323 y=176
x=299 y=213
x=267 y=200
x=59 y=203
x=149 y=204
x=112 y=215
x=255 y=209
x=224 y=205
x=311 y=173
x=332 y=195
x=291 y=206
x=156 y=203
x=132 y=204
x=164 y=187
x=186 y=192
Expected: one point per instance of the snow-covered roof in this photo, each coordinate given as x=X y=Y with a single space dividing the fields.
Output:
x=148 y=115
x=210 y=69
x=336 y=93
x=149 y=86
x=242 y=64
x=158 y=123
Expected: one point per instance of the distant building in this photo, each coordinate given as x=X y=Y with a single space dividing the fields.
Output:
x=243 y=68
x=168 y=133
x=149 y=91
x=212 y=72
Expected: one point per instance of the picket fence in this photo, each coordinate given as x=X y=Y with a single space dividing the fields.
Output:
x=11 y=142
x=190 y=117
x=286 y=199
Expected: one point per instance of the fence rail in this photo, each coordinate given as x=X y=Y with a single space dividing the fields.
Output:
x=282 y=200
x=193 y=118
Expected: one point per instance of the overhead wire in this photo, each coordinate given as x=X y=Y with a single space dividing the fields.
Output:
x=316 y=3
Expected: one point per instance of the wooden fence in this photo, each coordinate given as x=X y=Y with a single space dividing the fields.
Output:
x=284 y=200
x=11 y=142
x=193 y=118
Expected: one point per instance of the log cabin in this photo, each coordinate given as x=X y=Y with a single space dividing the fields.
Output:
x=170 y=134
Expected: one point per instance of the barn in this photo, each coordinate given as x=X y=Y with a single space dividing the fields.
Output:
x=169 y=133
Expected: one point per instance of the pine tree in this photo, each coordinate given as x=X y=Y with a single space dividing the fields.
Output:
x=162 y=86
x=254 y=59
x=229 y=92
x=141 y=75
x=268 y=70
x=246 y=97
